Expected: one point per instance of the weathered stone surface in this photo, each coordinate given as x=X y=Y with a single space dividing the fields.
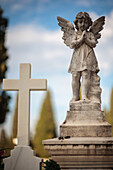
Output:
x=82 y=152
x=83 y=63
x=22 y=158
x=84 y=106
x=80 y=140
x=85 y=117
x=95 y=90
x=89 y=130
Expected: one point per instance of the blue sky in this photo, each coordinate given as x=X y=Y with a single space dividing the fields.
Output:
x=33 y=36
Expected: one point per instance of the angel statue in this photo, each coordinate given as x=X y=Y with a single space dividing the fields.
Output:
x=83 y=63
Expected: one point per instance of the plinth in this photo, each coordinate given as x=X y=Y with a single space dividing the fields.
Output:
x=82 y=152
x=85 y=119
x=85 y=140
x=22 y=158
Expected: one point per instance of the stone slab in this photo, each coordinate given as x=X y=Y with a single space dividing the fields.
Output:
x=84 y=106
x=22 y=158
x=82 y=152
x=85 y=117
x=89 y=130
x=80 y=141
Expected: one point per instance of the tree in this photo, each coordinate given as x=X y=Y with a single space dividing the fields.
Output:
x=5 y=142
x=111 y=107
x=4 y=98
x=3 y=139
x=45 y=128
x=15 y=120
x=109 y=113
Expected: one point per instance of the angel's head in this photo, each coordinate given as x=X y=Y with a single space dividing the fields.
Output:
x=82 y=21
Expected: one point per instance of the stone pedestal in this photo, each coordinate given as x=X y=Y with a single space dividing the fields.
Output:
x=85 y=140
x=85 y=119
x=22 y=158
x=82 y=152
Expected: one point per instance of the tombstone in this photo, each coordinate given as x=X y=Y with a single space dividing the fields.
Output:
x=23 y=157
x=85 y=140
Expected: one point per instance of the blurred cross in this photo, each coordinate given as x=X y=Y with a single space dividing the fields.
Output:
x=24 y=85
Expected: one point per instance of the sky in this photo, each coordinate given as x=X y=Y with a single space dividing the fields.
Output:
x=33 y=36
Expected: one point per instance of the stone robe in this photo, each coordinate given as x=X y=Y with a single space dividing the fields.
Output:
x=83 y=57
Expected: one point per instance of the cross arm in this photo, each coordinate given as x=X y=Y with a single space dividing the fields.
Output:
x=10 y=85
x=38 y=84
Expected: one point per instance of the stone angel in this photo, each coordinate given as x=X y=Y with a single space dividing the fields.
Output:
x=83 y=63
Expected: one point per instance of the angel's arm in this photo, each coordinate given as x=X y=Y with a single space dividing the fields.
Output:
x=77 y=43
x=90 y=41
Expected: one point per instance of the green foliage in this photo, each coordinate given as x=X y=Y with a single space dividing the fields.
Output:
x=2 y=153
x=109 y=113
x=45 y=128
x=51 y=165
x=4 y=98
x=15 y=120
x=5 y=142
x=80 y=94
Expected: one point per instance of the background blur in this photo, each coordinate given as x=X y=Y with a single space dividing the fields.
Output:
x=33 y=36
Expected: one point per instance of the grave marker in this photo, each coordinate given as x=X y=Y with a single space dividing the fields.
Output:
x=22 y=156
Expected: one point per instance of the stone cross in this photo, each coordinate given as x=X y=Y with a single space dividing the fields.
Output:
x=24 y=85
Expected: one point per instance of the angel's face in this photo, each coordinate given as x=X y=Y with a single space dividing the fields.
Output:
x=82 y=24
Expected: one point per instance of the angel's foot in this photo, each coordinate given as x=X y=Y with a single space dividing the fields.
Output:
x=75 y=99
x=85 y=98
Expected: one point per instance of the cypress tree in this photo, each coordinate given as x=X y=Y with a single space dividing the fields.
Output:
x=15 y=120
x=111 y=110
x=45 y=128
x=5 y=142
x=109 y=113
x=4 y=98
x=3 y=139
x=111 y=105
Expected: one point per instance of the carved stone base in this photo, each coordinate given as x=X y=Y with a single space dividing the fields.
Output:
x=82 y=153
x=85 y=119
x=86 y=130
x=84 y=105
x=22 y=158
x=85 y=139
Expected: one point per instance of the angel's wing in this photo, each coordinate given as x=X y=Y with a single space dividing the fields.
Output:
x=97 y=26
x=68 y=29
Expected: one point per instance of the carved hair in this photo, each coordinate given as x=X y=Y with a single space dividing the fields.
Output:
x=84 y=15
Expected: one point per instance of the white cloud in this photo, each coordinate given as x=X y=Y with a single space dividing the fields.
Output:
x=106 y=96
x=42 y=5
x=16 y=7
x=93 y=16
x=31 y=34
x=50 y=59
x=104 y=50
x=85 y=3
x=108 y=29
x=40 y=47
